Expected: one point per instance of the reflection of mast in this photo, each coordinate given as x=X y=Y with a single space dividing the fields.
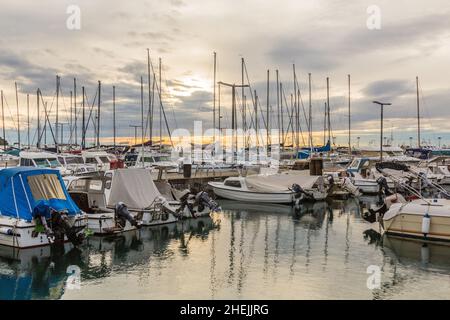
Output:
x=232 y=249
x=212 y=270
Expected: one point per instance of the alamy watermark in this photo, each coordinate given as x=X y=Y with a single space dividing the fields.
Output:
x=73 y=21
x=374 y=280
x=373 y=22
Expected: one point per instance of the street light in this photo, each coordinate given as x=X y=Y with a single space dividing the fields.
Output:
x=382 y=104
x=358 y=138
x=439 y=138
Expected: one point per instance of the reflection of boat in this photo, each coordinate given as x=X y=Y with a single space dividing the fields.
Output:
x=406 y=250
x=312 y=214
x=269 y=208
x=36 y=273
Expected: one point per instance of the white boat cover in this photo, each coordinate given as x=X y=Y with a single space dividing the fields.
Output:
x=134 y=187
x=436 y=208
x=282 y=181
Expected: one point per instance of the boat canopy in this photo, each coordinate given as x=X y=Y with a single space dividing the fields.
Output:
x=282 y=181
x=26 y=192
x=134 y=187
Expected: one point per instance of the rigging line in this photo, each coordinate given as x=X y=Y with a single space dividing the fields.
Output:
x=47 y=119
x=301 y=100
x=158 y=89
x=251 y=93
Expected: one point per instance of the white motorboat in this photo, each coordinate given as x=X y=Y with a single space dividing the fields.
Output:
x=36 y=209
x=75 y=164
x=41 y=159
x=286 y=187
x=99 y=158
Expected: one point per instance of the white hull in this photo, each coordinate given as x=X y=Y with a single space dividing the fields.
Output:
x=249 y=196
x=18 y=233
x=104 y=224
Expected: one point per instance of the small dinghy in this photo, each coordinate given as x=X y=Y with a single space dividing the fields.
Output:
x=287 y=187
x=36 y=210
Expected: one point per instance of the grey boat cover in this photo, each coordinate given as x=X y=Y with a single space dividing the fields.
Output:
x=134 y=187
x=282 y=181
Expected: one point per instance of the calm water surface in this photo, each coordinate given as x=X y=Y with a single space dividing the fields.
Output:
x=250 y=251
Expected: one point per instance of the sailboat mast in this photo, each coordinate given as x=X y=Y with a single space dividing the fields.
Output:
x=18 y=117
x=83 y=125
x=38 y=143
x=328 y=110
x=418 y=112
x=310 y=115
x=244 y=111
x=57 y=114
x=256 y=119
x=150 y=105
x=98 y=113
x=160 y=108
x=214 y=95
x=349 y=120
x=28 y=120
x=296 y=111
x=114 y=116
x=75 y=110
x=278 y=108
x=282 y=115
x=142 y=121
x=267 y=111
x=3 y=124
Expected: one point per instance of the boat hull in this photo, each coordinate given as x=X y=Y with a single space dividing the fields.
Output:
x=248 y=196
x=19 y=233
x=410 y=226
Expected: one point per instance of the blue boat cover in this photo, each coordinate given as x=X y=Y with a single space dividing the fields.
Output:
x=17 y=200
x=305 y=152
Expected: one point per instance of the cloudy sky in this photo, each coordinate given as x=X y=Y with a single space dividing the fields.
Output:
x=328 y=38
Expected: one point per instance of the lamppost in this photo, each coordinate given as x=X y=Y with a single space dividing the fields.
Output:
x=410 y=142
x=358 y=138
x=382 y=104
x=439 y=138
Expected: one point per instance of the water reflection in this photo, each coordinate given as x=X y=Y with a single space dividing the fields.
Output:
x=250 y=251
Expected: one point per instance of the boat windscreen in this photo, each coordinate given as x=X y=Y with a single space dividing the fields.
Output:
x=46 y=187
x=42 y=163
x=54 y=162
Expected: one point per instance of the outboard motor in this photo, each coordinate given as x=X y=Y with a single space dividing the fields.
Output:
x=123 y=215
x=299 y=191
x=383 y=186
x=203 y=199
x=187 y=200
x=58 y=226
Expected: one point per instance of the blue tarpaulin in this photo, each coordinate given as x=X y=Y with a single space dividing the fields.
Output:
x=16 y=196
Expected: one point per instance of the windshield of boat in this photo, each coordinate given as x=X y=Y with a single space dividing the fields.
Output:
x=104 y=159
x=95 y=185
x=355 y=163
x=161 y=158
x=54 y=162
x=74 y=160
x=42 y=163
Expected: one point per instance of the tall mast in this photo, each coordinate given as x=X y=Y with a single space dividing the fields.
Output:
x=3 y=124
x=256 y=118
x=83 y=125
x=71 y=118
x=75 y=110
x=28 y=120
x=214 y=95
x=218 y=105
x=349 y=120
x=160 y=107
x=418 y=113
x=233 y=119
x=282 y=115
x=267 y=112
x=244 y=106
x=98 y=113
x=278 y=108
x=296 y=111
x=142 y=121
x=18 y=117
x=38 y=143
x=325 y=125
x=57 y=114
x=328 y=110
x=310 y=115
x=114 y=116
x=150 y=111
